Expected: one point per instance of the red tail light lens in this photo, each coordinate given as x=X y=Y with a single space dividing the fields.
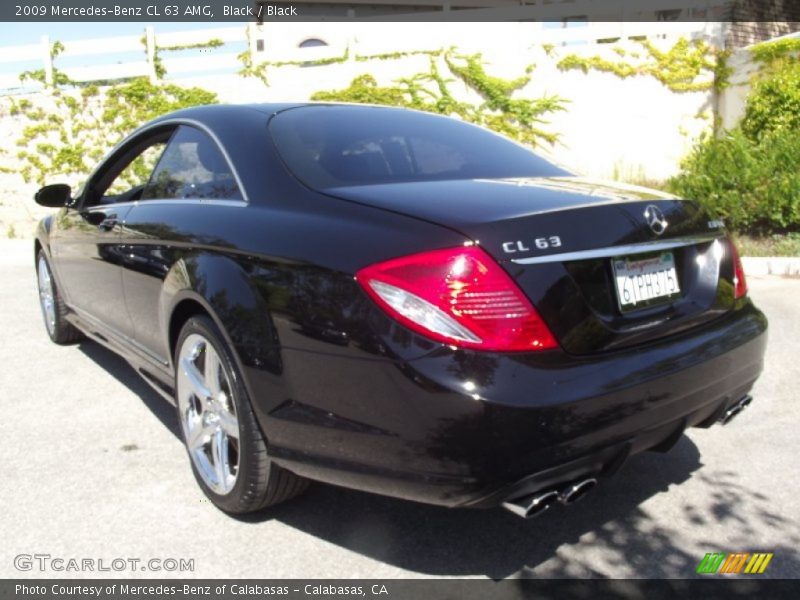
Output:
x=739 y=282
x=458 y=296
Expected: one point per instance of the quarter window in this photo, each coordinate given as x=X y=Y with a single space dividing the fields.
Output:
x=192 y=166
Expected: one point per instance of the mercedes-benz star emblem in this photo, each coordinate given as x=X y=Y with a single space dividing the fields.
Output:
x=655 y=219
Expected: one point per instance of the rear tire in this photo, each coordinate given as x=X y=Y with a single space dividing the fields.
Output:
x=226 y=448
x=53 y=308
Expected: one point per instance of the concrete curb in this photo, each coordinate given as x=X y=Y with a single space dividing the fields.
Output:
x=786 y=266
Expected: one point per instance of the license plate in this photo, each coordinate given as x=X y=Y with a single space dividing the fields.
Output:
x=643 y=282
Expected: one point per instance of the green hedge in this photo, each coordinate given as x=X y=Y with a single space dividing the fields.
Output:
x=774 y=102
x=753 y=185
x=750 y=176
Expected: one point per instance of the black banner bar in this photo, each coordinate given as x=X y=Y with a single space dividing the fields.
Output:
x=398 y=589
x=407 y=10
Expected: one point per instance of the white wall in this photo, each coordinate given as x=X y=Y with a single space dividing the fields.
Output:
x=634 y=128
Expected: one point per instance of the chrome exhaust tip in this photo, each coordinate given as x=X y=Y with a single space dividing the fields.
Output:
x=532 y=506
x=734 y=410
x=577 y=491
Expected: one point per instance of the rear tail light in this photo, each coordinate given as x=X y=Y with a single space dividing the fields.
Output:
x=458 y=296
x=739 y=282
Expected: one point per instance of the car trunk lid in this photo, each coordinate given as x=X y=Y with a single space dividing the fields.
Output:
x=577 y=248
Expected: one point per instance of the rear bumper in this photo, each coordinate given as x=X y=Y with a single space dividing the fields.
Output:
x=460 y=428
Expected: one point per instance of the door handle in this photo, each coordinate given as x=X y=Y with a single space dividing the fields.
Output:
x=108 y=223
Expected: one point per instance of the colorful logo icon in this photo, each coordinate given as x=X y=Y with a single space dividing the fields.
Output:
x=734 y=563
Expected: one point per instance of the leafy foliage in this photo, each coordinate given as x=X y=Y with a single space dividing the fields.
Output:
x=396 y=55
x=364 y=89
x=771 y=51
x=774 y=101
x=59 y=78
x=681 y=68
x=753 y=185
x=249 y=67
x=751 y=175
x=82 y=124
x=502 y=111
x=212 y=43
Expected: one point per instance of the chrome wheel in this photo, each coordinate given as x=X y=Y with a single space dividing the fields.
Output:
x=208 y=414
x=46 y=296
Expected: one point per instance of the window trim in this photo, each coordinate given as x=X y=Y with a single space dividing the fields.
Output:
x=143 y=133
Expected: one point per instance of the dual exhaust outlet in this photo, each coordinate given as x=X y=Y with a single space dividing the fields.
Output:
x=535 y=504
x=734 y=410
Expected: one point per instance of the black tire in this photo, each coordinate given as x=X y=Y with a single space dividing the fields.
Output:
x=259 y=482
x=60 y=330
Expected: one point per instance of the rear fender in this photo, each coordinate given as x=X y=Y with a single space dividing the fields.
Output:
x=221 y=285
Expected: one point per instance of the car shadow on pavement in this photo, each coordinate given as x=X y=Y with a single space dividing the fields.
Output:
x=611 y=525
x=494 y=543
x=120 y=369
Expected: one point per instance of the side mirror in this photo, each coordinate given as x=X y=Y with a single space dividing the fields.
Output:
x=54 y=196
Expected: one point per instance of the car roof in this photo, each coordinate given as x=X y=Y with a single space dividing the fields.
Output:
x=215 y=110
x=200 y=113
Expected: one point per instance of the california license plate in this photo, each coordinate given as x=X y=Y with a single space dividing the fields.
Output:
x=643 y=282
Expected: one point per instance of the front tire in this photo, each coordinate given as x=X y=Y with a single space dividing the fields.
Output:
x=54 y=310
x=227 y=450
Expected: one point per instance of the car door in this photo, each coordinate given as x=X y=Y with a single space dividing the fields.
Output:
x=192 y=188
x=86 y=242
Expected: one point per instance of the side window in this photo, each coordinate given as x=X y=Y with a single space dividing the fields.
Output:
x=126 y=180
x=192 y=166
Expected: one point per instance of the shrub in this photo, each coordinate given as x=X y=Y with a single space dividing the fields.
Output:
x=750 y=176
x=774 y=102
x=753 y=185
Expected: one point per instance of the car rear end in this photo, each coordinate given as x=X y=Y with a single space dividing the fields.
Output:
x=640 y=336
x=579 y=323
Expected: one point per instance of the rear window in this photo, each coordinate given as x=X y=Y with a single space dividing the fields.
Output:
x=337 y=146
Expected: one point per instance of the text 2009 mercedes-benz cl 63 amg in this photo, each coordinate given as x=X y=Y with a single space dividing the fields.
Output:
x=397 y=302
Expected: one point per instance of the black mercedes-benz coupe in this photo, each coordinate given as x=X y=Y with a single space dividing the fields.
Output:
x=396 y=302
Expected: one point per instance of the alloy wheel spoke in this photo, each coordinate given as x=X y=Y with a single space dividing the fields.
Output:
x=196 y=381
x=211 y=370
x=198 y=434
x=220 y=457
x=208 y=413
x=204 y=464
x=228 y=422
x=46 y=294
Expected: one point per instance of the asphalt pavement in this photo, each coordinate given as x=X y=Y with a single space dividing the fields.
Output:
x=92 y=468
